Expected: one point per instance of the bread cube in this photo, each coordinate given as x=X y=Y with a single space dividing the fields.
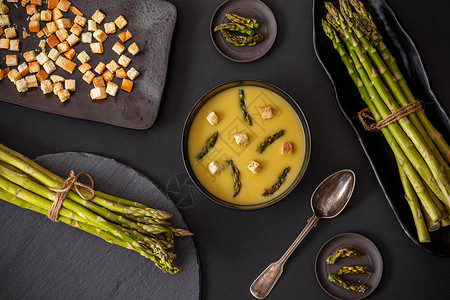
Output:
x=57 y=14
x=96 y=48
x=63 y=47
x=14 y=45
x=70 y=54
x=51 y=4
x=212 y=118
x=29 y=56
x=52 y=41
x=75 y=10
x=88 y=76
x=31 y=9
x=119 y=48
x=56 y=78
x=49 y=67
x=92 y=25
x=98 y=81
x=112 y=88
x=108 y=76
x=63 y=23
x=41 y=32
x=127 y=85
x=100 y=68
x=11 y=60
x=42 y=58
x=84 y=67
x=21 y=85
x=241 y=139
x=34 y=67
x=266 y=112
x=80 y=20
x=121 y=73
x=63 y=5
x=46 y=15
x=98 y=93
x=53 y=54
x=51 y=27
x=4 y=43
x=57 y=87
x=70 y=85
x=124 y=60
x=60 y=61
x=36 y=2
x=99 y=35
x=31 y=81
x=110 y=28
x=73 y=40
x=63 y=95
x=1 y=31
x=10 y=32
x=2 y=74
x=83 y=57
x=125 y=36
x=14 y=75
x=76 y=29
x=132 y=73
x=4 y=20
x=287 y=148
x=68 y=65
x=112 y=66
x=133 y=49
x=41 y=75
x=121 y=22
x=4 y=10
x=34 y=26
x=86 y=37
x=36 y=17
x=62 y=34
x=46 y=86
x=215 y=167
x=254 y=166
x=98 y=16
x=23 y=69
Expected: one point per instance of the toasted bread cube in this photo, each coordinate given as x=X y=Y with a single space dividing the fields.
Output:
x=1 y=31
x=241 y=139
x=36 y=17
x=86 y=37
x=4 y=73
x=14 y=45
x=88 y=76
x=10 y=32
x=112 y=88
x=56 y=78
x=100 y=68
x=98 y=93
x=132 y=73
x=51 y=4
x=21 y=85
x=98 y=16
x=53 y=54
x=60 y=61
x=125 y=36
x=84 y=67
x=92 y=25
x=56 y=14
x=70 y=85
x=98 y=81
x=42 y=58
x=11 y=60
x=121 y=73
x=212 y=118
x=75 y=10
x=287 y=148
x=62 y=34
x=63 y=47
x=108 y=76
x=73 y=40
x=41 y=32
x=124 y=60
x=36 y=2
x=63 y=95
x=46 y=15
x=127 y=85
x=215 y=167
x=41 y=75
x=23 y=69
x=254 y=166
x=14 y=76
x=4 y=10
x=69 y=66
x=49 y=67
x=29 y=56
x=34 y=67
x=70 y=54
x=80 y=20
x=110 y=28
x=96 y=48
x=119 y=48
x=4 y=43
x=63 y=5
x=31 y=81
x=266 y=112
x=76 y=29
x=31 y=9
x=34 y=26
x=121 y=22
x=52 y=41
x=57 y=87
x=51 y=27
x=83 y=57
x=133 y=49
x=4 y=20
x=63 y=23
x=46 y=86
x=112 y=66
x=99 y=35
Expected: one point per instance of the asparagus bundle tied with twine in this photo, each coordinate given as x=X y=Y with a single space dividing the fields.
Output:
x=421 y=152
x=126 y=223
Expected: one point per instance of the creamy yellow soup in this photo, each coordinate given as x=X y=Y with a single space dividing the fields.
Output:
x=227 y=106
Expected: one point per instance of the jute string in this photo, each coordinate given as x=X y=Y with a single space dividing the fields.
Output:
x=61 y=194
x=393 y=117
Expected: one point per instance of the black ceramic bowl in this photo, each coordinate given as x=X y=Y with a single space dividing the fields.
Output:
x=219 y=89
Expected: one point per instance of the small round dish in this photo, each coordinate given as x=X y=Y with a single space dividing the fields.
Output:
x=251 y=9
x=371 y=258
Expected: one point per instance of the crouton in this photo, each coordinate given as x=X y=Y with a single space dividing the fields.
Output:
x=88 y=76
x=124 y=60
x=83 y=57
x=212 y=118
x=287 y=148
x=56 y=14
x=4 y=10
x=112 y=88
x=51 y=4
x=100 y=36
x=46 y=15
x=254 y=166
x=127 y=85
x=62 y=34
x=132 y=73
x=241 y=139
x=23 y=69
x=4 y=43
x=92 y=25
x=120 y=73
x=75 y=10
x=84 y=67
x=46 y=86
x=56 y=78
x=63 y=5
x=121 y=22
x=31 y=81
x=29 y=56
x=100 y=68
x=14 y=45
x=108 y=76
x=34 y=26
x=119 y=48
x=63 y=95
x=36 y=17
x=10 y=32
x=98 y=16
x=96 y=48
x=63 y=47
x=112 y=66
x=68 y=65
x=70 y=85
x=11 y=60
x=53 y=54
x=52 y=41
x=42 y=58
x=72 y=40
x=215 y=167
x=63 y=23
x=133 y=49
x=41 y=32
x=266 y=112
x=125 y=36
x=14 y=75
x=4 y=20
x=21 y=85
x=86 y=37
x=70 y=54
x=31 y=9
x=98 y=93
x=49 y=67
x=98 y=81
x=36 y=2
x=57 y=87
x=41 y=75
x=80 y=21
x=76 y=29
x=34 y=67
x=110 y=28
x=51 y=27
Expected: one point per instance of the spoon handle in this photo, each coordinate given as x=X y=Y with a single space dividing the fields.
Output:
x=264 y=283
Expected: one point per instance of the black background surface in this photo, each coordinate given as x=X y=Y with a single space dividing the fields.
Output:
x=235 y=246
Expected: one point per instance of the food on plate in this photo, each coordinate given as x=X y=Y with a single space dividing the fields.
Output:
x=236 y=178
x=277 y=184
x=212 y=118
x=287 y=148
x=247 y=117
x=215 y=167
x=254 y=166
x=266 y=112
x=350 y=270
x=250 y=22
x=342 y=252
x=118 y=221
x=235 y=27
x=269 y=141
x=243 y=25
x=351 y=286
x=241 y=139
x=421 y=152
x=242 y=40
x=210 y=142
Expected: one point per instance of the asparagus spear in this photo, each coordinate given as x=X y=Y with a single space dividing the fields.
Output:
x=277 y=184
x=235 y=27
x=350 y=270
x=240 y=40
x=247 y=117
x=269 y=140
x=351 y=286
x=343 y=252
x=249 y=22
x=210 y=142
x=236 y=179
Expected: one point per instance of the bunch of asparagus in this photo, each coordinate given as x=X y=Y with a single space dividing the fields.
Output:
x=118 y=221
x=422 y=154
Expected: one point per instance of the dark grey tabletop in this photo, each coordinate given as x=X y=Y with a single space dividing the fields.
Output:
x=235 y=246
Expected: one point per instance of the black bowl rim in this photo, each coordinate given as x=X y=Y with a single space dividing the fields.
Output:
x=306 y=129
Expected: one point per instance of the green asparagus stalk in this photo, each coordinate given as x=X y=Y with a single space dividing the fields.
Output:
x=241 y=40
x=276 y=186
x=235 y=27
x=342 y=252
x=236 y=180
x=351 y=286
x=269 y=141
x=249 y=22
x=247 y=117
x=350 y=270
x=210 y=142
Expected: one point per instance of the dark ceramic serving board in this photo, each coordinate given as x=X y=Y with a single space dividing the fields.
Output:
x=374 y=145
x=150 y=22
x=40 y=259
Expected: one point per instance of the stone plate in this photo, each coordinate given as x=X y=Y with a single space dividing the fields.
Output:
x=150 y=22
x=40 y=259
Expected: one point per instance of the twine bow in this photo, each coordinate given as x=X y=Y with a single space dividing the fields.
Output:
x=61 y=194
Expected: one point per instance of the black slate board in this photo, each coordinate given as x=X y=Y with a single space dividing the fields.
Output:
x=40 y=259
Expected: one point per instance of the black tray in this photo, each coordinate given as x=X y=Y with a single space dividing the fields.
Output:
x=377 y=150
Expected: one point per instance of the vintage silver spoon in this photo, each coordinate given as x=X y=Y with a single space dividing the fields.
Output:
x=327 y=201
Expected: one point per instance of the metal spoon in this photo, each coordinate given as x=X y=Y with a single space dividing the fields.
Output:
x=327 y=201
